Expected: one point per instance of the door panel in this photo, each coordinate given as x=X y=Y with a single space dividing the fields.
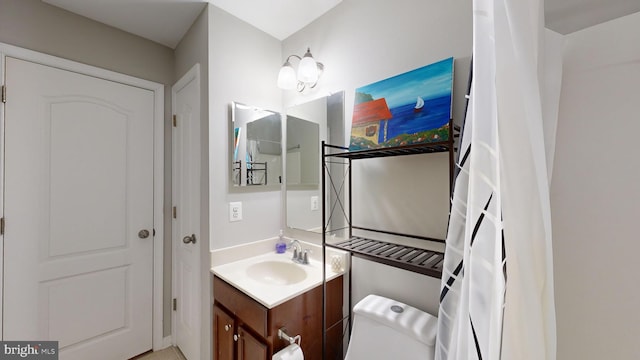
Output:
x=79 y=182
x=77 y=296
x=79 y=187
x=102 y=163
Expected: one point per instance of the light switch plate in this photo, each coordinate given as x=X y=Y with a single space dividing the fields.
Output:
x=235 y=211
x=314 y=203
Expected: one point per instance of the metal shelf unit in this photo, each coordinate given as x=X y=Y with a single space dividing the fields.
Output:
x=409 y=258
x=336 y=196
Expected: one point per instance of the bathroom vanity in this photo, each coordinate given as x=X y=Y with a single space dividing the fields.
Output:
x=243 y=328
x=257 y=292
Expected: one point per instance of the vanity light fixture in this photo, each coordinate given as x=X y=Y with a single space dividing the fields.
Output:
x=309 y=71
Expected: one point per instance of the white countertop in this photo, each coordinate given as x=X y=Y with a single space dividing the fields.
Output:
x=271 y=295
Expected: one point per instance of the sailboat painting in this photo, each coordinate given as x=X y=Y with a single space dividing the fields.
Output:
x=419 y=104
x=407 y=109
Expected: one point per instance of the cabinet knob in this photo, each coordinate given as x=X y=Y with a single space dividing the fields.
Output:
x=235 y=337
x=227 y=327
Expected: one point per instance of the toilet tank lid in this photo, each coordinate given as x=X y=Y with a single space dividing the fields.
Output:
x=410 y=321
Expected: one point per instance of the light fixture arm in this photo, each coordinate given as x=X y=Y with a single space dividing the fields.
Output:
x=290 y=56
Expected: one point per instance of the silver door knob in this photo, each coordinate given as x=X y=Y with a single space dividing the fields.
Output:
x=189 y=239
x=143 y=234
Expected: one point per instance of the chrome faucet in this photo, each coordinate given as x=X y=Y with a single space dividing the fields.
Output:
x=299 y=256
x=297 y=248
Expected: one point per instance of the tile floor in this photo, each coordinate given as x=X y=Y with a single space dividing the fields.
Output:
x=170 y=353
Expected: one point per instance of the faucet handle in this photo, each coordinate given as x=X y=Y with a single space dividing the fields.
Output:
x=295 y=254
x=305 y=259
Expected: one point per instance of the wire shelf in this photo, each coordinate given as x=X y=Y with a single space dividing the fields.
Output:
x=410 y=258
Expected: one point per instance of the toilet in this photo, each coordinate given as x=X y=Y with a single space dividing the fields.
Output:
x=387 y=329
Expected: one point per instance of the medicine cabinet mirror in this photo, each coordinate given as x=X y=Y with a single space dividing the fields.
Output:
x=308 y=124
x=255 y=147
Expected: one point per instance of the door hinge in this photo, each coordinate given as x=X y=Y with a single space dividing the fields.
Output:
x=175 y=212
x=1 y=226
x=175 y=121
x=4 y=93
x=175 y=304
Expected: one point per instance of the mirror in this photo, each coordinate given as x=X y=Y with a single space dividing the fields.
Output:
x=255 y=147
x=307 y=125
x=303 y=154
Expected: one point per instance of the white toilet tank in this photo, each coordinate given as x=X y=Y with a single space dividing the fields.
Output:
x=387 y=329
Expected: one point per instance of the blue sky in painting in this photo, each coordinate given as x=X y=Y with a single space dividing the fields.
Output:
x=430 y=81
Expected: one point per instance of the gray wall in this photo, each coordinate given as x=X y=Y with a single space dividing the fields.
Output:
x=595 y=196
x=243 y=66
x=34 y=25
x=364 y=41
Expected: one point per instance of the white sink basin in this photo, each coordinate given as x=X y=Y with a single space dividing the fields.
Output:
x=271 y=278
x=277 y=272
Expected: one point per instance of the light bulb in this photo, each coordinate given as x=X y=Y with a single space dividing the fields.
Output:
x=287 y=77
x=308 y=69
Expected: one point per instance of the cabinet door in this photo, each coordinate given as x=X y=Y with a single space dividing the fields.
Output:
x=249 y=347
x=223 y=328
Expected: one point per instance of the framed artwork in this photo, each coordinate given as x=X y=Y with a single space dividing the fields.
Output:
x=407 y=109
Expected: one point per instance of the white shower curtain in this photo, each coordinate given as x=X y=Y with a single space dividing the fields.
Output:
x=496 y=298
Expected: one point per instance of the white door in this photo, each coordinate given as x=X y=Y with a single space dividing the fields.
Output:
x=78 y=193
x=186 y=223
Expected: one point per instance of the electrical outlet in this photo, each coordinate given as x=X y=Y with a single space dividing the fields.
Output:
x=235 y=211
x=314 y=203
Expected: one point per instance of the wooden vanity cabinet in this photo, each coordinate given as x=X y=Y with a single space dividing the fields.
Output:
x=230 y=339
x=223 y=329
x=244 y=329
x=250 y=347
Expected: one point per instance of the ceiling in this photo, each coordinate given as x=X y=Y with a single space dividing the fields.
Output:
x=567 y=16
x=163 y=21
x=166 y=21
x=279 y=18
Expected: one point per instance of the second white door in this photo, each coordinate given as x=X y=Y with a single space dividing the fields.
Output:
x=186 y=223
